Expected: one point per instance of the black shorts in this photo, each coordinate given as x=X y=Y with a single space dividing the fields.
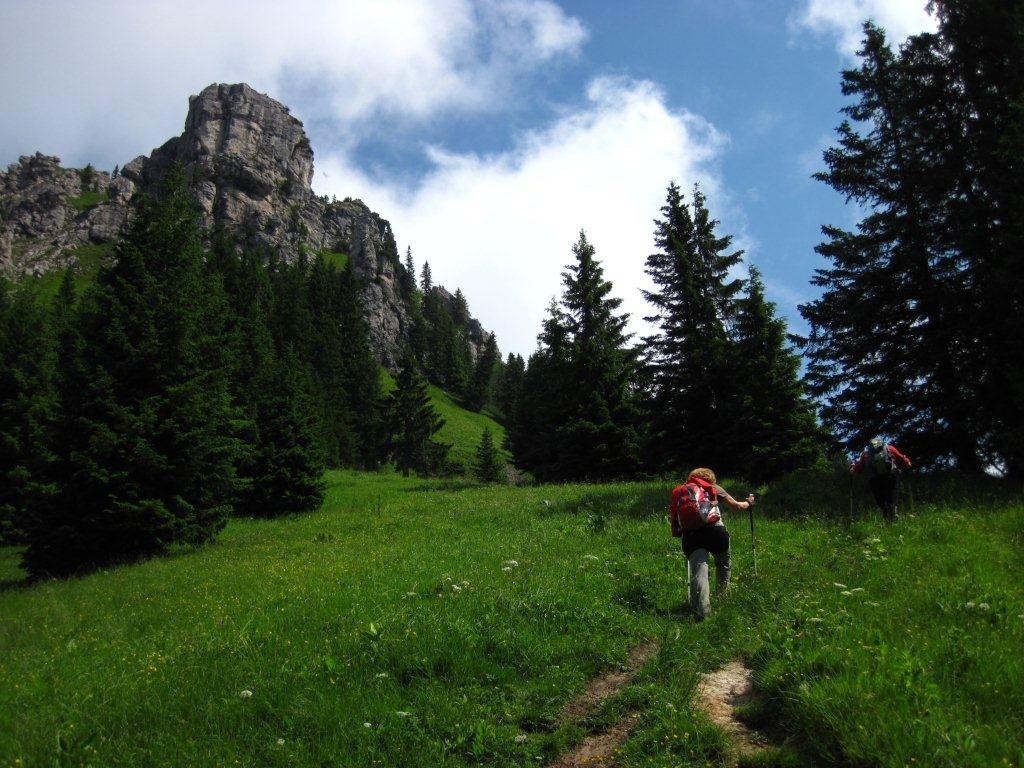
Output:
x=713 y=538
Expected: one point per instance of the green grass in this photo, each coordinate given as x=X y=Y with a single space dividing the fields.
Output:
x=391 y=628
x=335 y=259
x=88 y=259
x=88 y=200
x=462 y=428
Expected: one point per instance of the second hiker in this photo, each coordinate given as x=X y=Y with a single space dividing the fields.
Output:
x=696 y=517
x=884 y=463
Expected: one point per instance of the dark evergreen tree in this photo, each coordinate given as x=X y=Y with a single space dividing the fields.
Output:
x=932 y=138
x=407 y=276
x=478 y=393
x=447 y=349
x=775 y=423
x=589 y=425
x=534 y=433
x=460 y=309
x=26 y=409
x=489 y=467
x=413 y=423
x=155 y=403
x=510 y=384
x=690 y=397
x=426 y=281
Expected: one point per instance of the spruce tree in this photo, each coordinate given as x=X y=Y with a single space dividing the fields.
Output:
x=26 y=409
x=509 y=384
x=775 y=422
x=489 y=467
x=478 y=393
x=577 y=418
x=426 y=281
x=926 y=151
x=154 y=405
x=690 y=399
x=412 y=423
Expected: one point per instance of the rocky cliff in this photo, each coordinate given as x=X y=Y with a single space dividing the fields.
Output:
x=250 y=165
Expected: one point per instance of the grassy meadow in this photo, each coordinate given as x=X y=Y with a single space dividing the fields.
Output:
x=414 y=622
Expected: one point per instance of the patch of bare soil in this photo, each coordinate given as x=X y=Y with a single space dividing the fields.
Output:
x=599 y=749
x=719 y=693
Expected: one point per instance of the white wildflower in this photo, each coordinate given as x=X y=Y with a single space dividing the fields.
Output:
x=280 y=742
x=465 y=583
x=382 y=674
x=246 y=694
x=969 y=606
x=837 y=585
x=591 y=557
x=857 y=589
x=401 y=713
x=982 y=606
x=522 y=738
x=511 y=563
x=410 y=594
x=456 y=588
x=872 y=602
x=507 y=569
x=816 y=619
x=367 y=725
x=846 y=592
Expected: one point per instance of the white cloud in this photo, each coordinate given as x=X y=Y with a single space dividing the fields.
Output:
x=501 y=226
x=105 y=80
x=842 y=19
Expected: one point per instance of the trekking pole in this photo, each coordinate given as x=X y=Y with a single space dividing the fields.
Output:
x=753 y=538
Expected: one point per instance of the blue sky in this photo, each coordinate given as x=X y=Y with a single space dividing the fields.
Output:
x=487 y=131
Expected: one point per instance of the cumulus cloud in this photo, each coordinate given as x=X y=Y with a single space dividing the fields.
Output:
x=91 y=81
x=842 y=19
x=501 y=226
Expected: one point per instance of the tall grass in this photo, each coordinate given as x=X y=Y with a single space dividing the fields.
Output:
x=425 y=623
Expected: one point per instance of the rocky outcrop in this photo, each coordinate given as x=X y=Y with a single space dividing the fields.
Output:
x=250 y=164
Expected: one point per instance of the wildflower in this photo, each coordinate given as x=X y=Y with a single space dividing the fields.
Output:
x=969 y=606
x=507 y=569
x=837 y=585
x=410 y=594
x=521 y=738
x=512 y=563
x=280 y=742
x=982 y=606
x=456 y=588
x=846 y=592
x=402 y=713
x=816 y=619
x=367 y=725
x=591 y=557
x=246 y=694
x=382 y=674
x=857 y=589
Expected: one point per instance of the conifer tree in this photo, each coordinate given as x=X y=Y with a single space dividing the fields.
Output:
x=690 y=397
x=932 y=138
x=577 y=416
x=426 y=281
x=489 y=467
x=156 y=407
x=413 y=423
x=510 y=384
x=26 y=409
x=478 y=393
x=775 y=422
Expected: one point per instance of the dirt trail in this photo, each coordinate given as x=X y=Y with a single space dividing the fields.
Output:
x=599 y=749
x=719 y=693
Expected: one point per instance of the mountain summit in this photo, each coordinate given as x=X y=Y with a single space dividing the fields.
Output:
x=250 y=164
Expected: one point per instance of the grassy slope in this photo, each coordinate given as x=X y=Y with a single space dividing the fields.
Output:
x=394 y=599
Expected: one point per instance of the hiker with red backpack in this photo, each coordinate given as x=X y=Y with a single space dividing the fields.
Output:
x=884 y=462
x=696 y=517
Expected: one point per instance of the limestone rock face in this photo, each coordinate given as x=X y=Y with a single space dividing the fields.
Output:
x=46 y=211
x=250 y=165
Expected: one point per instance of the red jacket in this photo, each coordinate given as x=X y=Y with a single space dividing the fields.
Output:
x=900 y=460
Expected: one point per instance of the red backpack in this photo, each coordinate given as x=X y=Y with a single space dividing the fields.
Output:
x=693 y=506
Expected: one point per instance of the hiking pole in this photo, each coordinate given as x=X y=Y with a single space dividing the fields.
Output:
x=753 y=538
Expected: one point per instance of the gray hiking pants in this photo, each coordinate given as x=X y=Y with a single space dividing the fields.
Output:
x=700 y=590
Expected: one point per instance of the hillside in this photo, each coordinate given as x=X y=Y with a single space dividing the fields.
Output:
x=418 y=623
x=249 y=164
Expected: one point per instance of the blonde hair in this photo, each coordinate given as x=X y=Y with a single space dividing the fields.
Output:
x=704 y=474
